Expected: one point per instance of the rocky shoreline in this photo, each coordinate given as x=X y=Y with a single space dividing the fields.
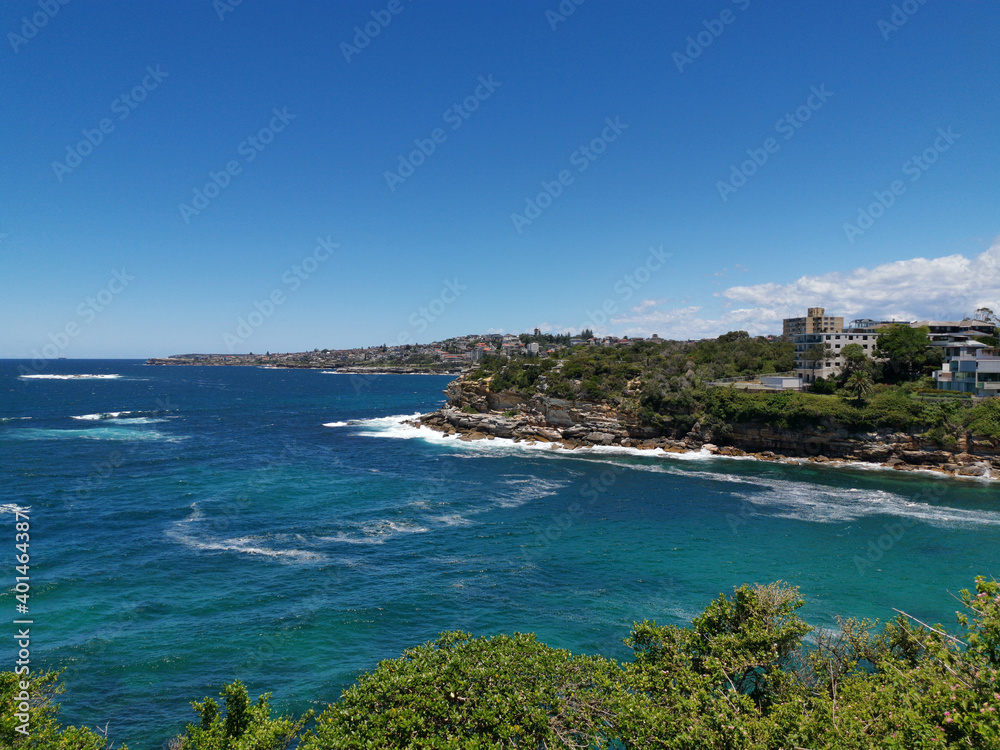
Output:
x=475 y=413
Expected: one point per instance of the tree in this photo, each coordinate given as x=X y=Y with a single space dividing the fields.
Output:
x=860 y=385
x=246 y=726
x=816 y=354
x=986 y=315
x=855 y=361
x=826 y=386
x=906 y=351
x=728 y=338
x=740 y=676
x=462 y=692
x=44 y=731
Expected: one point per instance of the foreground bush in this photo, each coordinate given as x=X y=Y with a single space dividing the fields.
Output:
x=748 y=673
x=42 y=731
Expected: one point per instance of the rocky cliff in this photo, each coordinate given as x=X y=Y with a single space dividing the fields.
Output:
x=474 y=412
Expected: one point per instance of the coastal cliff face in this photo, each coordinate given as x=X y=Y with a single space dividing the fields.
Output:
x=476 y=413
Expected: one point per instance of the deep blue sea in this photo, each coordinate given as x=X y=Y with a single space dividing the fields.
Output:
x=193 y=525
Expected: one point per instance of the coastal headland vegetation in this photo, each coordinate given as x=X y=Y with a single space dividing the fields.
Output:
x=672 y=387
x=748 y=672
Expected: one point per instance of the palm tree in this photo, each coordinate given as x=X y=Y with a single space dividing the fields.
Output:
x=859 y=384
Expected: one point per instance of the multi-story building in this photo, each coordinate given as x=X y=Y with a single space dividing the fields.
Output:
x=970 y=367
x=978 y=374
x=967 y=327
x=809 y=369
x=816 y=321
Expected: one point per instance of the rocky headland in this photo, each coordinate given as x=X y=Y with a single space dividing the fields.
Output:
x=474 y=412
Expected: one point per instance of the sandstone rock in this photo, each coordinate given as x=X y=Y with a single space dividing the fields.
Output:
x=600 y=438
x=576 y=423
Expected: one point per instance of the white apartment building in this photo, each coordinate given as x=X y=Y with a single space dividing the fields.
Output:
x=809 y=371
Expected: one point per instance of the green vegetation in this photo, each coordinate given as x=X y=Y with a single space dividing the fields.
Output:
x=596 y=372
x=42 y=731
x=546 y=339
x=245 y=726
x=667 y=385
x=741 y=676
x=906 y=353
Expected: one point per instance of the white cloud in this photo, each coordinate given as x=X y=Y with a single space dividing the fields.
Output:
x=917 y=289
x=648 y=303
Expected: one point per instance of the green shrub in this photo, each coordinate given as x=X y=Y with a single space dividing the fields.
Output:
x=741 y=676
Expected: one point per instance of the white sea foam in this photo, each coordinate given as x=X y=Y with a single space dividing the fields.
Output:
x=397 y=426
x=807 y=501
x=375 y=532
x=336 y=424
x=810 y=502
x=453 y=519
x=182 y=532
x=246 y=545
x=118 y=432
x=521 y=490
x=387 y=426
x=81 y=376
x=12 y=419
x=344 y=538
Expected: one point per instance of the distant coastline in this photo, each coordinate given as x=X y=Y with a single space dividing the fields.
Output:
x=306 y=362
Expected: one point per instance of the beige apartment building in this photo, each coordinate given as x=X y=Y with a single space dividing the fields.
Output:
x=822 y=330
x=816 y=321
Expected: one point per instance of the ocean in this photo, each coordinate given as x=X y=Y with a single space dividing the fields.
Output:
x=194 y=525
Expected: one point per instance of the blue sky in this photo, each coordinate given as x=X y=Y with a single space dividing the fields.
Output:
x=701 y=168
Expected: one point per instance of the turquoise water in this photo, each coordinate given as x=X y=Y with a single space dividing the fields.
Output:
x=284 y=527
